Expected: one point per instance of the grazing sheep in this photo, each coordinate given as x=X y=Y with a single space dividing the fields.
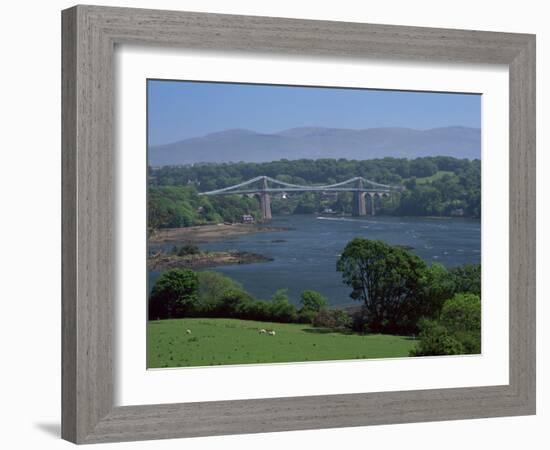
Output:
x=262 y=331
x=188 y=331
x=271 y=332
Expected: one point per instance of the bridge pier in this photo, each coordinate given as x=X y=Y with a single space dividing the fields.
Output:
x=265 y=201
x=359 y=208
x=265 y=205
x=372 y=204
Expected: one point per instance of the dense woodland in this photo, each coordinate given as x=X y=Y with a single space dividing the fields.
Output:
x=435 y=186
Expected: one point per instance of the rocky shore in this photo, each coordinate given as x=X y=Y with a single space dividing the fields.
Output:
x=164 y=261
x=207 y=233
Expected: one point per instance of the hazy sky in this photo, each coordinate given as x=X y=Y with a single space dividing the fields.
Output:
x=180 y=109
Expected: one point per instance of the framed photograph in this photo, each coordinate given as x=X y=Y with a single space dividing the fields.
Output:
x=278 y=224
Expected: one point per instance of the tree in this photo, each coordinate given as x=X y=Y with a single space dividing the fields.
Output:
x=281 y=308
x=439 y=287
x=213 y=287
x=234 y=303
x=174 y=294
x=388 y=280
x=467 y=278
x=312 y=301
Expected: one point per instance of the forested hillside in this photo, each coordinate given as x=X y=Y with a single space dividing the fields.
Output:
x=435 y=186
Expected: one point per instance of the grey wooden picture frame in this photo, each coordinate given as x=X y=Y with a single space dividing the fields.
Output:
x=90 y=34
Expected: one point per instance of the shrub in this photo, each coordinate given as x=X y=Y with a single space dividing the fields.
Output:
x=467 y=278
x=281 y=308
x=306 y=316
x=457 y=332
x=435 y=340
x=187 y=249
x=332 y=318
x=234 y=303
x=313 y=301
x=213 y=286
x=461 y=316
x=174 y=294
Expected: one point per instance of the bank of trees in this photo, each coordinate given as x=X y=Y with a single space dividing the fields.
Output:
x=435 y=186
x=209 y=176
x=182 y=293
x=400 y=294
x=181 y=206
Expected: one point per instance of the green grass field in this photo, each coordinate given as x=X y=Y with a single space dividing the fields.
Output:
x=233 y=341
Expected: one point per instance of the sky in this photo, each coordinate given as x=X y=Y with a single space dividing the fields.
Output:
x=181 y=109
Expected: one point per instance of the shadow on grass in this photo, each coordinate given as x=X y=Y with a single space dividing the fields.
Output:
x=332 y=330
x=349 y=332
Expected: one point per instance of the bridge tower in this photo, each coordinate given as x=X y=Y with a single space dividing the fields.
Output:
x=359 y=207
x=265 y=201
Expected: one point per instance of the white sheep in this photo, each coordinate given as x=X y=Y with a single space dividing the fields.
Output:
x=271 y=332
x=262 y=331
x=188 y=331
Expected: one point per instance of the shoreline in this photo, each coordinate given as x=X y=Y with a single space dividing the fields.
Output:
x=207 y=233
x=165 y=261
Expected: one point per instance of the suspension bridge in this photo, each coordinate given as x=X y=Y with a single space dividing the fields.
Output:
x=264 y=187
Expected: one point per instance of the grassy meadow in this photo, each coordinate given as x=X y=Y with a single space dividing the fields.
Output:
x=234 y=341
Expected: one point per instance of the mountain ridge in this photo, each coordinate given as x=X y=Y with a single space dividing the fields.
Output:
x=240 y=144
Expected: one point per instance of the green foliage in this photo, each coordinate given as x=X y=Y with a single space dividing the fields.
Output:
x=461 y=316
x=186 y=249
x=435 y=340
x=172 y=206
x=213 y=287
x=423 y=167
x=281 y=308
x=466 y=278
x=313 y=301
x=332 y=318
x=306 y=316
x=439 y=287
x=388 y=281
x=216 y=295
x=174 y=294
x=181 y=206
x=457 y=332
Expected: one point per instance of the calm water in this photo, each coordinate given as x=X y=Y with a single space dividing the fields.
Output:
x=306 y=257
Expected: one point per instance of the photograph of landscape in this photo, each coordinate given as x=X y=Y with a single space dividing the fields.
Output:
x=298 y=224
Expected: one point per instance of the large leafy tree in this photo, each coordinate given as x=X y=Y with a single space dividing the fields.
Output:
x=174 y=295
x=389 y=281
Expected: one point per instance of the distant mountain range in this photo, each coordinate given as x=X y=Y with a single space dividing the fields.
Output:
x=316 y=142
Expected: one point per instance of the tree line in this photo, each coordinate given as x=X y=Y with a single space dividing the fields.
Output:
x=435 y=186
